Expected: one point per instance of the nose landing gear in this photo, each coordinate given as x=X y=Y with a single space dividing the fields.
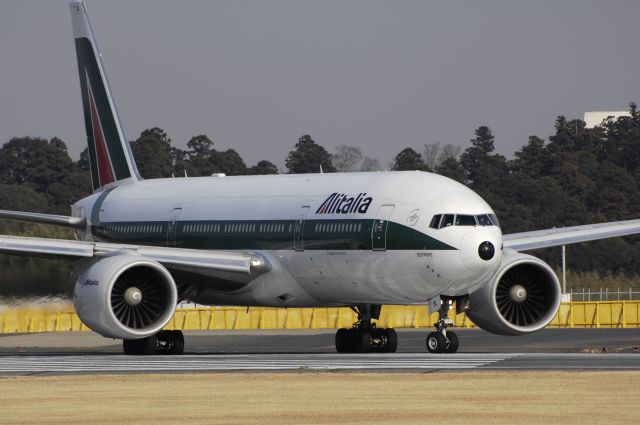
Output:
x=443 y=341
x=364 y=337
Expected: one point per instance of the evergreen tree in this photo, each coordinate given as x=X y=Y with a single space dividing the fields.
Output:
x=485 y=169
x=532 y=160
x=228 y=162
x=263 y=167
x=199 y=157
x=407 y=160
x=451 y=168
x=152 y=153
x=309 y=157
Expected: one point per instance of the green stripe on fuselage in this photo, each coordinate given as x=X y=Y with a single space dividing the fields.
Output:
x=267 y=235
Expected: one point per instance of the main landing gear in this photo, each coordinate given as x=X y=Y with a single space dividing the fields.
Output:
x=164 y=342
x=364 y=337
x=443 y=341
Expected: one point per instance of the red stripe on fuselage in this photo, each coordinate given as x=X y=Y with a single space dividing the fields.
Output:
x=105 y=171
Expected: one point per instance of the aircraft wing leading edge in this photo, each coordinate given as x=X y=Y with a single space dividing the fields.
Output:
x=55 y=220
x=569 y=235
x=243 y=263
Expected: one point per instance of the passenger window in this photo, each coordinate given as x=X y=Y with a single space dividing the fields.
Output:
x=447 y=220
x=435 y=221
x=465 y=220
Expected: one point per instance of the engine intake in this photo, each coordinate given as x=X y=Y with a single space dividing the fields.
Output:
x=523 y=297
x=125 y=296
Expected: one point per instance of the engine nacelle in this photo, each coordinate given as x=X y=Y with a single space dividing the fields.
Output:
x=125 y=296
x=522 y=297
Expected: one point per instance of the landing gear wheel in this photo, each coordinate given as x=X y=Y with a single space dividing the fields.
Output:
x=452 y=344
x=130 y=346
x=343 y=340
x=391 y=344
x=436 y=343
x=362 y=341
x=178 y=342
x=364 y=337
x=141 y=347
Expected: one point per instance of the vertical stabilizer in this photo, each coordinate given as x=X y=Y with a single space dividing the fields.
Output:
x=110 y=155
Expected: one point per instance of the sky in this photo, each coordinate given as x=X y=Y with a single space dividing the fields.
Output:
x=254 y=75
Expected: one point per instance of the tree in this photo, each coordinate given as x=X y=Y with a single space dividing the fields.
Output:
x=228 y=162
x=197 y=160
x=309 y=157
x=434 y=154
x=22 y=198
x=346 y=158
x=451 y=168
x=408 y=159
x=263 y=167
x=532 y=159
x=485 y=169
x=152 y=152
x=370 y=164
x=46 y=167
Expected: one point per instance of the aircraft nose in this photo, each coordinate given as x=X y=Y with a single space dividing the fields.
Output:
x=486 y=250
x=478 y=250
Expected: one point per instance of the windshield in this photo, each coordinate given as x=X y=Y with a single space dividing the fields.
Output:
x=439 y=221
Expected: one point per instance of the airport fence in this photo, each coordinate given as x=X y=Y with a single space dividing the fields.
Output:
x=602 y=294
x=589 y=314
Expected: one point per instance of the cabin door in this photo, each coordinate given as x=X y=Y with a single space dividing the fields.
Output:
x=172 y=227
x=298 y=229
x=379 y=231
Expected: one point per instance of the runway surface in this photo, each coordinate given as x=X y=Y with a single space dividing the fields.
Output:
x=222 y=351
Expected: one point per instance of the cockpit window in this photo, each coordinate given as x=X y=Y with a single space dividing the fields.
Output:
x=435 y=221
x=465 y=220
x=484 y=220
x=445 y=220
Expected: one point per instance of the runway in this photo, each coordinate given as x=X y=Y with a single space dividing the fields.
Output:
x=299 y=351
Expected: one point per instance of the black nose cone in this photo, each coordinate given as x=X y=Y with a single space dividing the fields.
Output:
x=486 y=250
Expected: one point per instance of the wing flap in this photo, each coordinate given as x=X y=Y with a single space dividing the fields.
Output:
x=569 y=235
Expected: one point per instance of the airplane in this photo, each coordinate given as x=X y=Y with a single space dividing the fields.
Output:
x=360 y=240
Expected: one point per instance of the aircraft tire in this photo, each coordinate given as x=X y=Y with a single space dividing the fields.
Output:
x=436 y=342
x=454 y=342
x=178 y=342
x=392 y=340
x=343 y=340
x=362 y=341
x=130 y=347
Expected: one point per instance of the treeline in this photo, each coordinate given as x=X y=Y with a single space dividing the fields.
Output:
x=578 y=175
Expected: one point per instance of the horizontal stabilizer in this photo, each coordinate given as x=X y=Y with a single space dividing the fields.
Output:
x=54 y=220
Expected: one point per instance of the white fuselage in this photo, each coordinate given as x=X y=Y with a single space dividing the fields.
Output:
x=323 y=247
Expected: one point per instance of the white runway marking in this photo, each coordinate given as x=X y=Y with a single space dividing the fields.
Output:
x=201 y=363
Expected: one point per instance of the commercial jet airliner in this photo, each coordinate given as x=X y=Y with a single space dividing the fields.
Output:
x=360 y=240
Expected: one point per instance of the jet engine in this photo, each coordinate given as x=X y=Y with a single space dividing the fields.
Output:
x=125 y=296
x=522 y=297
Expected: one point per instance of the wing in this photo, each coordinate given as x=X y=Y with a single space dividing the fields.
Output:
x=54 y=220
x=568 y=235
x=237 y=266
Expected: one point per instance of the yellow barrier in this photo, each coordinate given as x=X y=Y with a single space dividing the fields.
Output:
x=611 y=314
